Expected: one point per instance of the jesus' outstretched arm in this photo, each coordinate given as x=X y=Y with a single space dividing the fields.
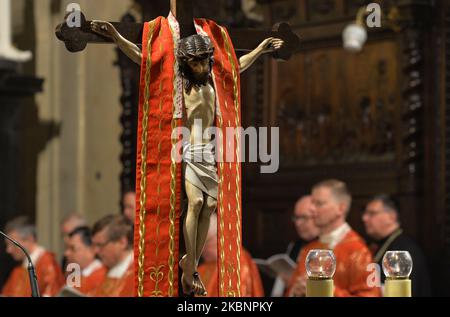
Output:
x=128 y=48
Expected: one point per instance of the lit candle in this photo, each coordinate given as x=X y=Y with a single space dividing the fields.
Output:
x=397 y=266
x=320 y=267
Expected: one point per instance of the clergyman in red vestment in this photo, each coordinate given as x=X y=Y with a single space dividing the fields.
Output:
x=49 y=275
x=331 y=204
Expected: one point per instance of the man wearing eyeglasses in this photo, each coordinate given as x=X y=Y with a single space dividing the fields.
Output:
x=112 y=238
x=304 y=224
x=382 y=224
x=307 y=231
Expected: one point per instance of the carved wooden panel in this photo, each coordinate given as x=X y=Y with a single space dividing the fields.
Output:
x=320 y=10
x=129 y=76
x=303 y=12
x=336 y=107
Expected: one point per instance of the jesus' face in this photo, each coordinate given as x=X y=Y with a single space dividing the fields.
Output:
x=200 y=70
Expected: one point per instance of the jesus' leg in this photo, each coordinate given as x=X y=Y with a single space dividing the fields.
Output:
x=190 y=228
x=209 y=206
x=203 y=224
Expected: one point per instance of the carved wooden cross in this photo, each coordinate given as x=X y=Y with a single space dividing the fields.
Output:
x=76 y=39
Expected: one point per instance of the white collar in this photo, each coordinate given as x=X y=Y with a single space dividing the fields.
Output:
x=178 y=82
x=35 y=256
x=335 y=237
x=96 y=264
x=120 y=269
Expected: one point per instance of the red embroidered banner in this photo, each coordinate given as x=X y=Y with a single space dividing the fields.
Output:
x=158 y=176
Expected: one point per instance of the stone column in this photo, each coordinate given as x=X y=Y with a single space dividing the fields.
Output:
x=15 y=92
x=80 y=170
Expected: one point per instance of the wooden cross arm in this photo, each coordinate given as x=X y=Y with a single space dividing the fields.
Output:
x=76 y=39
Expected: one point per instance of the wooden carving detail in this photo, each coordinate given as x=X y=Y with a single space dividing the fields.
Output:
x=129 y=76
x=418 y=15
x=322 y=7
x=320 y=10
x=413 y=102
x=338 y=107
x=284 y=10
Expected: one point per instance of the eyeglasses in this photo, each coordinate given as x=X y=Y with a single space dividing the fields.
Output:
x=100 y=245
x=372 y=213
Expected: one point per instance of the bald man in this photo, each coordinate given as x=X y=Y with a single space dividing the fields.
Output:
x=304 y=223
x=49 y=275
x=332 y=200
x=71 y=222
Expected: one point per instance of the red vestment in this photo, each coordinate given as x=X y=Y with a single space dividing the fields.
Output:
x=92 y=277
x=119 y=284
x=251 y=285
x=352 y=259
x=49 y=275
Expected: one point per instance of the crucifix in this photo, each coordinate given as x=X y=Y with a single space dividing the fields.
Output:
x=204 y=88
x=76 y=39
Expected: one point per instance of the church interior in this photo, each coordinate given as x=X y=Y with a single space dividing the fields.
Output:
x=373 y=113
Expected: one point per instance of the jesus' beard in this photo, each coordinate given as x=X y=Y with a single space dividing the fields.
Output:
x=195 y=79
x=200 y=79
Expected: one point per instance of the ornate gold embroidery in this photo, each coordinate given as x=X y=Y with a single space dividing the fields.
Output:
x=157 y=276
x=237 y=145
x=173 y=197
x=143 y=183
x=221 y=224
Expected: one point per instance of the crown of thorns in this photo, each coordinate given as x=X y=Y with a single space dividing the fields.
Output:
x=195 y=46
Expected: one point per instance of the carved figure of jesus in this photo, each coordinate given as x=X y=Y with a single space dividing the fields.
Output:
x=195 y=58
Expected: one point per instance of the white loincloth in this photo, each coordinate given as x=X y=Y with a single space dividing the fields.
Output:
x=200 y=168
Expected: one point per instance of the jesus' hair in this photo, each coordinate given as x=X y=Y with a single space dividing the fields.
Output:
x=194 y=47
